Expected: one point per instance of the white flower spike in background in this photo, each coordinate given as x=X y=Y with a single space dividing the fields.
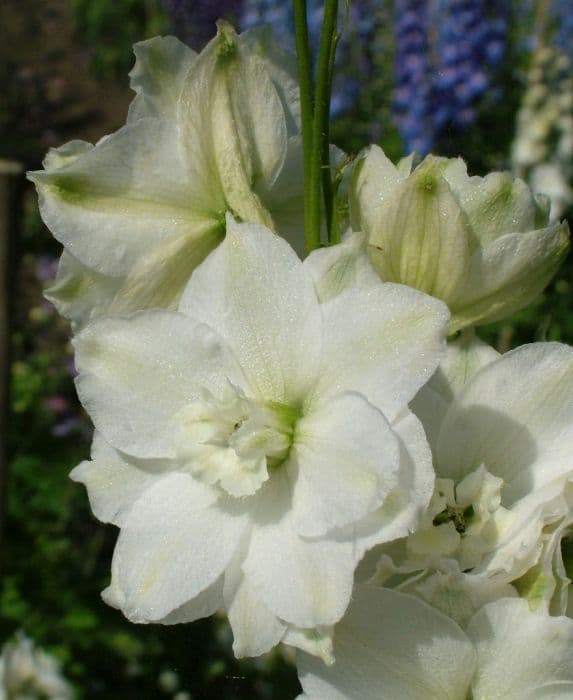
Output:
x=27 y=672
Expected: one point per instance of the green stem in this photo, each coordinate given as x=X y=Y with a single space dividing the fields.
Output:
x=307 y=112
x=320 y=160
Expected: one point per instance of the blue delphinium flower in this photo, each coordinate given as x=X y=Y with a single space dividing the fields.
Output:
x=446 y=52
x=413 y=92
x=469 y=44
x=561 y=12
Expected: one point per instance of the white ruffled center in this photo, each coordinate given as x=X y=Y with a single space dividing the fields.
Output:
x=464 y=521
x=233 y=440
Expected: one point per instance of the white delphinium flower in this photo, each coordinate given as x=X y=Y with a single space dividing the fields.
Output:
x=30 y=673
x=393 y=646
x=501 y=429
x=206 y=134
x=482 y=245
x=542 y=151
x=254 y=445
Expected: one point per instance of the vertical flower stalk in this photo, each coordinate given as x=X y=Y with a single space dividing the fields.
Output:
x=315 y=117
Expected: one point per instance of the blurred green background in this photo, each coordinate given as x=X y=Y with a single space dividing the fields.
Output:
x=63 y=75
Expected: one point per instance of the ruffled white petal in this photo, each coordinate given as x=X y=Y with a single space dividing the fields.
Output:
x=113 y=482
x=402 y=510
x=384 y=342
x=516 y=418
x=114 y=202
x=520 y=652
x=391 y=646
x=135 y=373
x=306 y=582
x=344 y=461
x=254 y=292
x=161 y=65
x=189 y=537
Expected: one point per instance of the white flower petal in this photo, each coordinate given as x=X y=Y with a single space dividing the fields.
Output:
x=255 y=628
x=159 y=277
x=384 y=342
x=114 y=483
x=507 y=274
x=337 y=267
x=161 y=65
x=422 y=237
x=374 y=180
x=402 y=510
x=391 y=646
x=233 y=124
x=515 y=417
x=464 y=357
x=136 y=372
x=497 y=204
x=304 y=582
x=78 y=292
x=189 y=539
x=519 y=651
x=282 y=69
x=202 y=605
x=254 y=291
x=316 y=641
x=127 y=194
x=345 y=458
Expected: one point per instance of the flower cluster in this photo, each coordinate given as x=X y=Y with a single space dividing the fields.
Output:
x=306 y=444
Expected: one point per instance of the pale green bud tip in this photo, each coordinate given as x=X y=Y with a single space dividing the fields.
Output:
x=227 y=37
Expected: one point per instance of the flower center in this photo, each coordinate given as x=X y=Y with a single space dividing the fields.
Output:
x=465 y=521
x=233 y=440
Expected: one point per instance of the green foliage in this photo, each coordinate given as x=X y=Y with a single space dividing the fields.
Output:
x=111 y=28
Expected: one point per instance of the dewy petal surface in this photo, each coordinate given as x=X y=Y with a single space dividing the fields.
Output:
x=516 y=417
x=185 y=531
x=521 y=655
x=391 y=646
x=233 y=124
x=422 y=237
x=255 y=628
x=306 y=582
x=254 y=291
x=507 y=274
x=375 y=180
x=158 y=76
x=124 y=195
x=345 y=460
x=384 y=342
x=135 y=373
x=114 y=483
x=337 y=267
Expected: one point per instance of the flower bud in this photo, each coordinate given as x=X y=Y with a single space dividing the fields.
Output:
x=482 y=245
